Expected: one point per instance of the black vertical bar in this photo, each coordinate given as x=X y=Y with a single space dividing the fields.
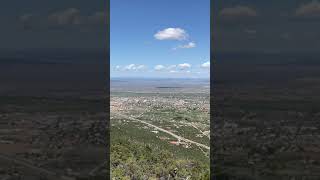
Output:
x=107 y=75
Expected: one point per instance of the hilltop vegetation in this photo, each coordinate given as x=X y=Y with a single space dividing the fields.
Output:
x=136 y=160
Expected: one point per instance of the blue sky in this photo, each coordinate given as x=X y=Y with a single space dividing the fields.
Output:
x=167 y=38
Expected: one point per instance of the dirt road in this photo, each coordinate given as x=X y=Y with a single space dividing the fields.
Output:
x=163 y=130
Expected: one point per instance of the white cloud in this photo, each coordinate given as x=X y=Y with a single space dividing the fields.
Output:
x=184 y=66
x=171 y=34
x=206 y=65
x=159 y=67
x=134 y=67
x=189 y=45
x=141 y=67
x=238 y=11
x=130 y=67
x=311 y=9
x=118 y=67
x=186 y=46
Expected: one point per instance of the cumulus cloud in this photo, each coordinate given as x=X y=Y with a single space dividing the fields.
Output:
x=206 y=65
x=118 y=68
x=311 y=9
x=130 y=67
x=159 y=67
x=186 y=46
x=134 y=67
x=238 y=11
x=173 y=68
x=184 y=66
x=171 y=34
x=141 y=67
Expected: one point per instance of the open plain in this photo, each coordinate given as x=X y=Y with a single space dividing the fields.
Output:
x=160 y=128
